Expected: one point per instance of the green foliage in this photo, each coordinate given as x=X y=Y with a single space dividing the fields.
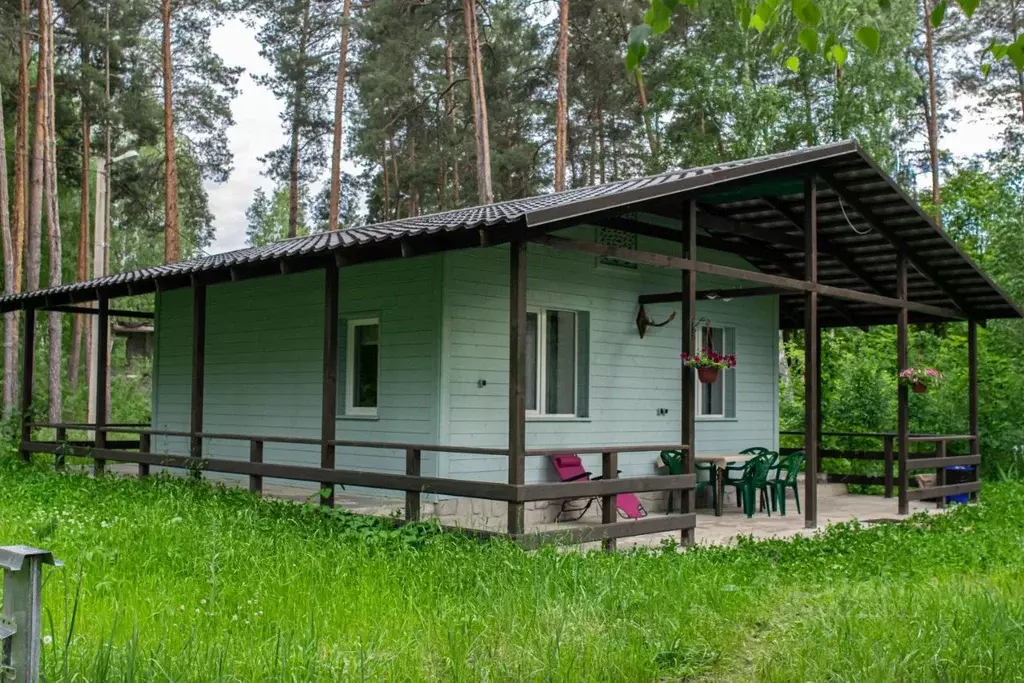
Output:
x=267 y=217
x=983 y=213
x=174 y=580
x=811 y=25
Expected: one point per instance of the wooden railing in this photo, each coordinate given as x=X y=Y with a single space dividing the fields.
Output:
x=886 y=455
x=412 y=483
x=938 y=459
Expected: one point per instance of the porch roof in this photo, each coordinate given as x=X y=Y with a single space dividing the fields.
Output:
x=752 y=208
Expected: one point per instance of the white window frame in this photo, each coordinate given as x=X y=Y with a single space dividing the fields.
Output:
x=541 y=384
x=350 y=362
x=698 y=387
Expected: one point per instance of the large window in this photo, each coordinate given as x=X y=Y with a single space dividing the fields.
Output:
x=717 y=399
x=362 y=370
x=555 y=371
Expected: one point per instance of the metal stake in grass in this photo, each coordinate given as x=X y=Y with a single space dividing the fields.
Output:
x=21 y=623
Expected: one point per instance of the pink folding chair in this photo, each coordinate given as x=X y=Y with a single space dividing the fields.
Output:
x=570 y=468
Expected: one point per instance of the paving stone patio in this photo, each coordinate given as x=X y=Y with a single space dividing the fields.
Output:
x=835 y=505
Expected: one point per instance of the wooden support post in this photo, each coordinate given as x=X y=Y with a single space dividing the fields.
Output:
x=972 y=395
x=61 y=437
x=145 y=446
x=198 y=369
x=821 y=416
x=903 y=396
x=102 y=330
x=27 y=366
x=413 y=468
x=687 y=388
x=256 y=458
x=328 y=416
x=940 y=473
x=888 y=466
x=517 y=380
x=609 y=507
x=812 y=406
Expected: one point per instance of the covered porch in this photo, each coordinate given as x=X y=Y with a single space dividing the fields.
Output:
x=826 y=233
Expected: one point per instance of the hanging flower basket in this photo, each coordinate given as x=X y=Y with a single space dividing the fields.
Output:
x=920 y=379
x=708 y=374
x=708 y=364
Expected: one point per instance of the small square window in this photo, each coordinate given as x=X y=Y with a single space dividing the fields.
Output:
x=363 y=367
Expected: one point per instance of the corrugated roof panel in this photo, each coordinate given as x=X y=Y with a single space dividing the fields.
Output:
x=840 y=225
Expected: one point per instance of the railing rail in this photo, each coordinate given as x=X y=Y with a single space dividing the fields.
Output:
x=938 y=460
x=412 y=483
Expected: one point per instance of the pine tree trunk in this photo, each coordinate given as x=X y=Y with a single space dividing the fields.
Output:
x=172 y=228
x=10 y=319
x=474 y=69
x=933 y=110
x=34 y=236
x=297 y=100
x=447 y=162
x=600 y=143
x=562 y=95
x=52 y=211
x=394 y=176
x=592 y=155
x=339 y=106
x=450 y=119
x=387 y=185
x=641 y=91
x=414 y=191
x=78 y=324
x=19 y=214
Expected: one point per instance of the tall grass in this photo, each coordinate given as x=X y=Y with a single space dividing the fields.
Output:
x=175 y=580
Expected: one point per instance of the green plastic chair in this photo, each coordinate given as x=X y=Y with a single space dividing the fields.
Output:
x=774 y=472
x=739 y=468
x=674 y=462
x=754 y=481
x=792 y=465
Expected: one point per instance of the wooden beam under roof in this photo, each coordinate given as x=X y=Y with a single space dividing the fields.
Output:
x=826 y=245
x=898 y=243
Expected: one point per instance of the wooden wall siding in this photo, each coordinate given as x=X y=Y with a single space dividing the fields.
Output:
x=265 y=344
x=264 y=363
x=630 y=378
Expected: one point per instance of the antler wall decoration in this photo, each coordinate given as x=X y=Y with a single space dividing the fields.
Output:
x=643 y=321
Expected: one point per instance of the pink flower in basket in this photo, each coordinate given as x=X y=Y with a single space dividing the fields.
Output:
x=921 y=377
x=709 y=359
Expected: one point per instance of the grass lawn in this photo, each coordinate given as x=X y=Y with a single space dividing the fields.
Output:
x=173 y=580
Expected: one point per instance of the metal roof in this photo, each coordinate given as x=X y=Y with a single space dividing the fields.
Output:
x=753 y=207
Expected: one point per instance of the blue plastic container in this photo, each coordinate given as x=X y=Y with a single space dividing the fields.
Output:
x=963 y=473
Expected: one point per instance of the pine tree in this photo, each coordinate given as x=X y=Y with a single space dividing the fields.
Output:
x=562 y=95
x=339 y=107
x=298 y=38
x=55 y=341
x=19 y=213
x=932 y=110
x=10 y=319
x=172 y=229
x=34 y=235
x=78 y=325
x=478 y=97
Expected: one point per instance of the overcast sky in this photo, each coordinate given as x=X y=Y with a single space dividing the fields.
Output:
x=257 y=130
